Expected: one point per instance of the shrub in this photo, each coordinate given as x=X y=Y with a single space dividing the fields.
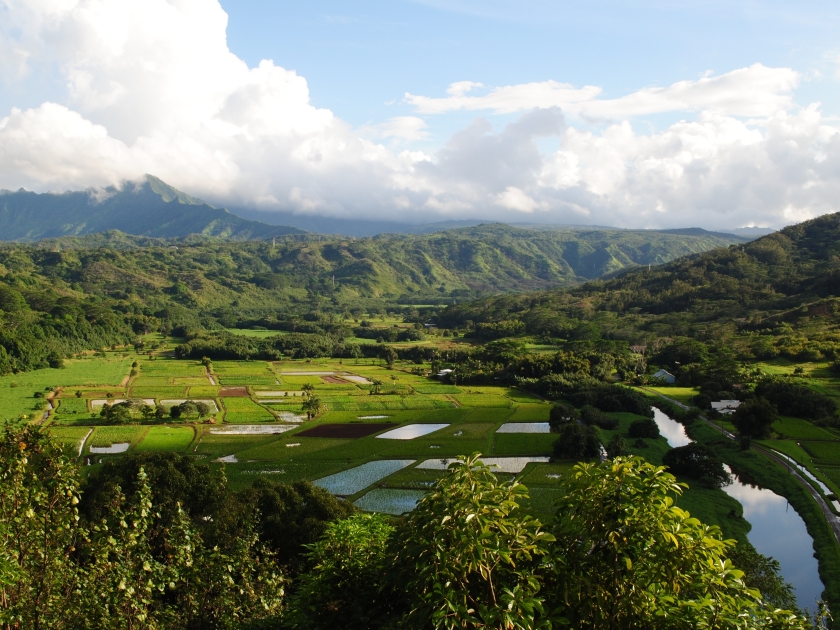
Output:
x=646 y=428
x=697 y=461
x=591 y=416
x=577 y=442
x=560 y=415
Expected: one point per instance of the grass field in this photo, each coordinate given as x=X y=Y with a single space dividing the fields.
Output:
x=245 y=410
x=166 y=439
x=106 y=436
x=17 y=390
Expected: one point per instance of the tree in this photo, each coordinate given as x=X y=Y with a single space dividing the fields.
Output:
x=119 y=413
x=626 y=557
x=616 y=447
x=342 y=590
x=375 y=387
x=390 y=357
x=307 y=389
x=312 y=406
x=203 y=409
x=291 y=516
x=39 y=492
x=753 y=419
x=577 y=442
x=468 y=557
x=643 y=428
x=697 y=461
x=561 y=414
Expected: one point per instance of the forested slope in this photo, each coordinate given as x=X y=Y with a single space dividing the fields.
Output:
x=779 y=289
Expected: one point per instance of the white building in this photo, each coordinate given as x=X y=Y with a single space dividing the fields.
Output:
x=726 y=407
x=445 y=372
x=665 y=376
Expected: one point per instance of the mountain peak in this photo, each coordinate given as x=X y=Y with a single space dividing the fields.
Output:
x=142 y=209
x=170 y=193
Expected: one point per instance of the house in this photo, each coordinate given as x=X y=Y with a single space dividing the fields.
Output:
x=666 y=376
x=445 y=372
x=726 y=407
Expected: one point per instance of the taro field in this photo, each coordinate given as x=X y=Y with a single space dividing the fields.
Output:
x=382 y=437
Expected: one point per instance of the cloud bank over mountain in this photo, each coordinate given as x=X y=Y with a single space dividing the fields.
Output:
x=150 y=86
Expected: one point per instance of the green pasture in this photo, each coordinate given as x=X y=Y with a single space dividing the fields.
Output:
x=17 y=390
x=245 y=410
x=523 y=443
x=798 y=429
x=159 y=392
x=825 y=452
x=259 y=334
x=530 y=413
x=107 y=436
x=196 y=391
x=680 y=394
x=295 y=381
x=286 y=447
x=414 y=478
x=433 y=388
x=242 y=475
x=166 y=438
x=216 y=445
x=70 y=405
x=482 y=400
x=70 y=436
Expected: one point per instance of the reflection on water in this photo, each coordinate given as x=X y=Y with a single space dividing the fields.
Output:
x=777 y=530
x=671 y=430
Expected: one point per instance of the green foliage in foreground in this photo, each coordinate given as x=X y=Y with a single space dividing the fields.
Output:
x=618 y=554
x=57 y=572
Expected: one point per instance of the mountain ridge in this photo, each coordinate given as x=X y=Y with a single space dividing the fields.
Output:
x=148 y=207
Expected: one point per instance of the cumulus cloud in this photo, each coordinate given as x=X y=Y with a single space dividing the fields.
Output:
x=150 y=87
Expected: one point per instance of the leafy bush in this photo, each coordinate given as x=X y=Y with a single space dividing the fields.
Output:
x=591 y=416
x=795 y=399
x=646 y=428
x=698 y=462
x=577 y=442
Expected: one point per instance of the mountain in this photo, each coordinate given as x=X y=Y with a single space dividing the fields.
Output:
x=338 y=226
x=752 y=232
x=147 y=208
x=775 y=295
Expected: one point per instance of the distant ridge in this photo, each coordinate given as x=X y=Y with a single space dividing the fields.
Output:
x=696 y=231
x=149 y=207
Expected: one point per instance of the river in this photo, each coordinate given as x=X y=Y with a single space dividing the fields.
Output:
x=777 y=530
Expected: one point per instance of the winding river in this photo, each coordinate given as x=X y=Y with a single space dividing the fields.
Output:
x=777 y=530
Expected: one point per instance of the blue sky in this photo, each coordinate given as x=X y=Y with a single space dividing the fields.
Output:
x=359 y=56
x=634 y=114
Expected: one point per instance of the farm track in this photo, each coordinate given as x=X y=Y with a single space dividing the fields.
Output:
x=831 y=518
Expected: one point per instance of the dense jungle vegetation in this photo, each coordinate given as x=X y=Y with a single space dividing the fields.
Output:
x=59 y=297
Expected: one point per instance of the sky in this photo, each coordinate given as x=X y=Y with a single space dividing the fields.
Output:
x=638 y=114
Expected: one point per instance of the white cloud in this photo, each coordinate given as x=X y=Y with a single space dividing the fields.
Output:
x=401 y=127
x=753 y=91
x=152 y=87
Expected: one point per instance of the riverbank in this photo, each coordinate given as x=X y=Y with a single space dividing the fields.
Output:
x=755 y=466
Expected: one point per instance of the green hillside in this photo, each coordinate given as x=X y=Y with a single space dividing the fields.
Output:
x=775 y=295
x=150 y=208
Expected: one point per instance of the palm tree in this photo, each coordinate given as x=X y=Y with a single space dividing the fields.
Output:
x=308 y=388
x=312 y=406
x=376 y=386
